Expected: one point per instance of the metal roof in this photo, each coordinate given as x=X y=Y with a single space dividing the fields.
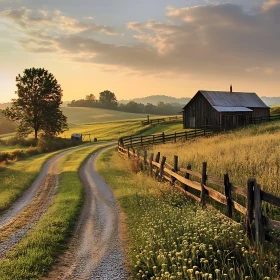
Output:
x=232 y=109
x=233 y=99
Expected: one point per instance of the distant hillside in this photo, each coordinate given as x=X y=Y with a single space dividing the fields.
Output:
x=271 y=101
x=154 y=99
x=4 y=105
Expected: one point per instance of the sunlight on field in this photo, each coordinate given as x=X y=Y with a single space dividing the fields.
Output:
x=83 y=115
x=249 y=152
x=107 y=131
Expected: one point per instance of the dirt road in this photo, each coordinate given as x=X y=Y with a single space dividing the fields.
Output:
x=30 y=207
x=95 y=251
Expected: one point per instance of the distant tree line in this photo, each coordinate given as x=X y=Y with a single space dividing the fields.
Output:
x=108 y=100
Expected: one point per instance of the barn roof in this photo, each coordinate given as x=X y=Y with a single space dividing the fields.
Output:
x=233 y=99
x=232 y=109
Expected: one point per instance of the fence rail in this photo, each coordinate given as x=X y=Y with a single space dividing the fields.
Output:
x=199 y=186
x=265 y=119
x=162 y=120
x=135 y=141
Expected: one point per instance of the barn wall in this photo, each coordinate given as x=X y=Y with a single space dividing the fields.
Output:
x=260 y=112
x=200 y=109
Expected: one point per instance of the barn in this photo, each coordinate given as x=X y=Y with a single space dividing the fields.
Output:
x=223 y=109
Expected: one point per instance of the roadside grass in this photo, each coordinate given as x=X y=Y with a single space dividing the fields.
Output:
x=18 y=176
x=37 y=251
x=11 y=148
x=171 y=237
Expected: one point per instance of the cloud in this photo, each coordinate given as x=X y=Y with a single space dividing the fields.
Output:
x=262 y=70
x=215 y=40
x=52 y=21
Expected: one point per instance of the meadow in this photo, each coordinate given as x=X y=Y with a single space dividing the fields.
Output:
x=171 y=237
x=251 y=152
x=37 y=251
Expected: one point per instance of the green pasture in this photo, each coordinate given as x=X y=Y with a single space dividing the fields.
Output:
x=82 y=115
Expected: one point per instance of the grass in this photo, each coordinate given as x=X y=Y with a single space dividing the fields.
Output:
x=82 y=115
x=11 y=148
x=171 y=237
x=17 y=177
x=109 y=130
x=37 y=251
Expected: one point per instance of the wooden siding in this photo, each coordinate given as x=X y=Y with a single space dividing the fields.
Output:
x=202 y=112
x=260 y=112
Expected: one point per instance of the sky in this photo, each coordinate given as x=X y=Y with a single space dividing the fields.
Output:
x=140 y=48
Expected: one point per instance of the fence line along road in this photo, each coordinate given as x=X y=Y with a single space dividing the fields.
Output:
x=198 y=185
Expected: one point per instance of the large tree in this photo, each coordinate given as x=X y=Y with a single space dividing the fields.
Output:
x=108 y=100
x=37 y=106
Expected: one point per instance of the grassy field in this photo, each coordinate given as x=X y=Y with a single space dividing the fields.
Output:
x=82 y=115
x=37 y=251
x=19 y=176
x=171 y=237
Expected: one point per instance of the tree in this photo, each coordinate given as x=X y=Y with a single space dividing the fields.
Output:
x=91 y=97
x=37 y=106
x=108 y=100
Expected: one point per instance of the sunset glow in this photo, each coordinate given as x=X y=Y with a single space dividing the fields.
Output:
x=141 y=48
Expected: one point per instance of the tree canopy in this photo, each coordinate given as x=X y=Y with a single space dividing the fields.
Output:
x=108 y=100
x=37 y=106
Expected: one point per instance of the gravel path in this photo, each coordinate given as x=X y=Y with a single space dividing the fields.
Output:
x=95 y=251
x=37 y=198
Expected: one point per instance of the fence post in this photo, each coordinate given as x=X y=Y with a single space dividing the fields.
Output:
x=128 y=155
x=163 y=138
x=175 y=137
x=157 y=160
x=227 y=185
x=250 y=206
x=187 y=176
x=161 y=171
x=141 y=140
x=153 y=139
x=145 y=158
x=175 y=169
x=203 y=182
x=259 y=227
x=133 y=150
x=186 y=134
x=151 y=164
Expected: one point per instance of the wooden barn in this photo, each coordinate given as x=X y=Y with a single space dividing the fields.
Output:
x=223 y=109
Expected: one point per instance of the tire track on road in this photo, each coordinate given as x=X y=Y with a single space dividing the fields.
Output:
x=95 y=251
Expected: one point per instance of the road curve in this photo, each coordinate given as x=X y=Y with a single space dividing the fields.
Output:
x=95 y=251
x=50 y=166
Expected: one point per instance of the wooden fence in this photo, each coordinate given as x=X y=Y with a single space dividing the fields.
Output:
x=199 y=186
x=135 y=141
x=265 y=119
x=162 y=120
